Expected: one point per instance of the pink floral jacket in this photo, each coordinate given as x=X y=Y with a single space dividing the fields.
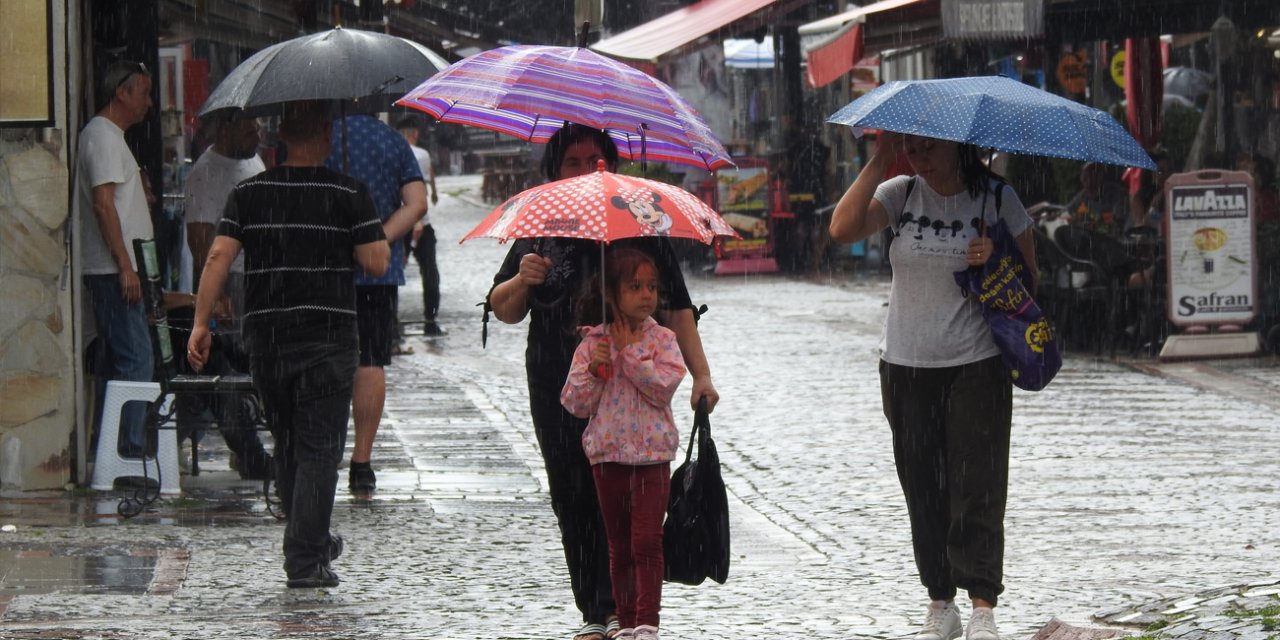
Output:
x=630 y=412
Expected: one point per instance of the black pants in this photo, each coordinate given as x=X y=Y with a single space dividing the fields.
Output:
x=424 y=252
x=573 y=498
x=306 y=392
x=951 y=445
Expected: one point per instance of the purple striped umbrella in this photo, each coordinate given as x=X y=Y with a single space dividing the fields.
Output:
x=530 y=91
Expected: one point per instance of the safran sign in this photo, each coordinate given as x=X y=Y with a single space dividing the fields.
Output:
x=1212 y=278
x=993 y=18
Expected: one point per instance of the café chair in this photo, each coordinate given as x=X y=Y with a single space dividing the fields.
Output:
x=1070 y=289
x=1123 y=305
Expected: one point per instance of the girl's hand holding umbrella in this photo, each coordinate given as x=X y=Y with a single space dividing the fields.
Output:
x=602 y=360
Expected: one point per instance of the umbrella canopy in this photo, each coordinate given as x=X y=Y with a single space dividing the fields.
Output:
x=1187 y=82
x=603 y=206
x=364 y=69
x=996 y=113
x=531 y=91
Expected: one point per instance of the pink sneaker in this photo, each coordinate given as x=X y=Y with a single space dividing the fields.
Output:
x=646 y=632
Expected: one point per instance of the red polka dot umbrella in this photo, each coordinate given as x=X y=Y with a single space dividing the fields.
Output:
x=603 y=206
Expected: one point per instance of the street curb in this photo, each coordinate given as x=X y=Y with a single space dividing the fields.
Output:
x=1204 y=375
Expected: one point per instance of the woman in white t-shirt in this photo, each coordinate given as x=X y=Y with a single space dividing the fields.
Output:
x=946 y=394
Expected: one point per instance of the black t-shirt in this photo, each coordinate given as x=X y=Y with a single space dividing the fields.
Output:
x=552 y=323
x=299 y=227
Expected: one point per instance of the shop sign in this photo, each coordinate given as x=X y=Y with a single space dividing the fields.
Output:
x=1210 y=248
x=744 y=204
x=992 y=18
x=1117 y=68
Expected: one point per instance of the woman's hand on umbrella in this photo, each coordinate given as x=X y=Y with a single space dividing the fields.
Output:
x=979 y=251
x=889 y=142
x=533 y=269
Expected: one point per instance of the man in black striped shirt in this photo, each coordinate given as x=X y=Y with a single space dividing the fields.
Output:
x=303 y=229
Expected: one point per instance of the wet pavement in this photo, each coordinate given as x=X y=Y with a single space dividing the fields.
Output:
x=1142 y=494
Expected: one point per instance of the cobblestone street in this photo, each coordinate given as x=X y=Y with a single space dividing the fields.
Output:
x=1132 y=484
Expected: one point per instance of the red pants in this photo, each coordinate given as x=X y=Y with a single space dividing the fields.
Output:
x=633 y=501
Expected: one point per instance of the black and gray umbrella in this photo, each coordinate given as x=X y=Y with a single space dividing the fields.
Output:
x=1187 y=82
x=362 y=70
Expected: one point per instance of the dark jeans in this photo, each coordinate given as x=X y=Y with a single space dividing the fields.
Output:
x=425 y=254
x=951 y=445
x=123 y=328
x=306 y=392
x=633 y=500
x=573 y=498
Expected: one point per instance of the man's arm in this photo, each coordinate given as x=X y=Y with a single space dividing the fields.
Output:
x=413 y=198
x=199 y=239
x=212 y=280
x=374 y=257
x=431 y=182
x=104 y=209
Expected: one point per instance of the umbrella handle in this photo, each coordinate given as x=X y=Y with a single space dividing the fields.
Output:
x=604 y=371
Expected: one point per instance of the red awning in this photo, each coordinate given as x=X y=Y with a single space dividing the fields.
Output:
x=842 y=43
x=652 y=39
x=833 y=58
x=839 y=20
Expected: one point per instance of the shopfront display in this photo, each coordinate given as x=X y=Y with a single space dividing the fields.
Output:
x=745 y=202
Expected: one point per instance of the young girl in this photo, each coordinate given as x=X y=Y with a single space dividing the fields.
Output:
x=623 y=376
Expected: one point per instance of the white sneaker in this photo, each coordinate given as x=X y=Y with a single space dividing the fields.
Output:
x=982 y=625
x=942 y=623
x=646 y=632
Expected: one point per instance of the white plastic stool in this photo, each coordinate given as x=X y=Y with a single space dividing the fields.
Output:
x=110 y=464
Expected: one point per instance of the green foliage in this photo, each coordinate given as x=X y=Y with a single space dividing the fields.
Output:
x=1180 y=125
x=1066 y=175
x=656 y=171
x=1268 y=614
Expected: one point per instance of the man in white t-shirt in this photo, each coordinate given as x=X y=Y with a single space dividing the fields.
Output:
x=113 y=213
x=424 y=236
x=233 y=157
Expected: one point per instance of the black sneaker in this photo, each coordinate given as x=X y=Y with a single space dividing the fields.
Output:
x=318 y=576
x=431 y=329
x=336 y=546
x=361 y=479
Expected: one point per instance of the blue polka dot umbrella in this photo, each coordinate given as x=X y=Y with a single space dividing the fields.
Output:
x=995 y=112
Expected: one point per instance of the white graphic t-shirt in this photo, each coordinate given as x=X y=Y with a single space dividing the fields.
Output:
x=930 y=322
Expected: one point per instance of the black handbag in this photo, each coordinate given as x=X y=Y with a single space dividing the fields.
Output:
x=695 y=537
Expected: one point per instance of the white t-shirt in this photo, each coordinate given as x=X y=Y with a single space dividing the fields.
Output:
x=211 y=180
x=104 y=158
x=424 y=163
x=930 y=323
